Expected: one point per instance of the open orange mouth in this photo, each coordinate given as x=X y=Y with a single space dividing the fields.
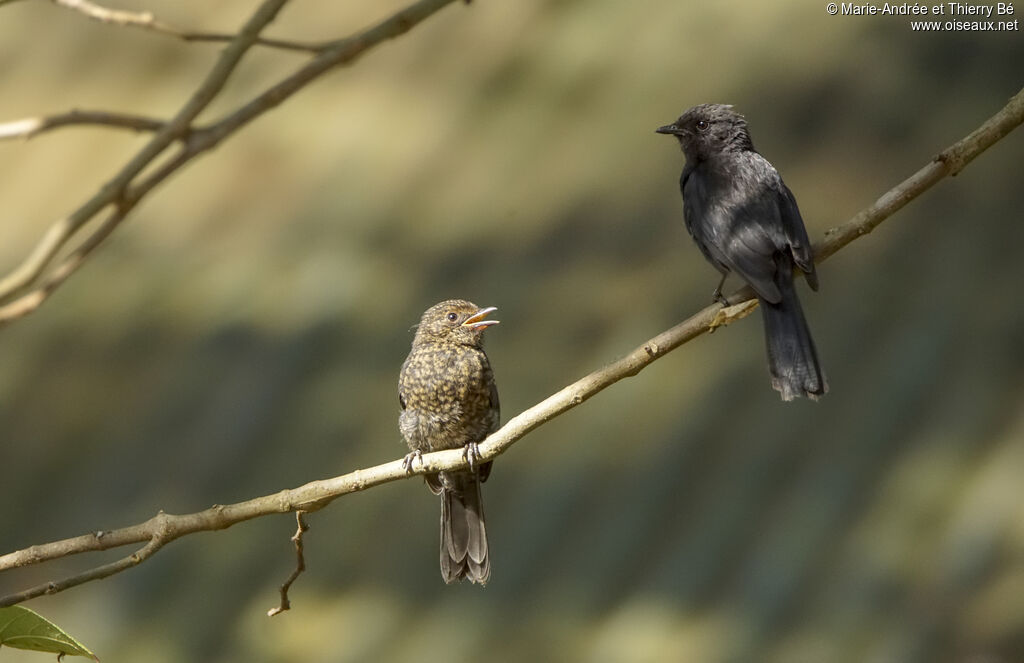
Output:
x=476 y=321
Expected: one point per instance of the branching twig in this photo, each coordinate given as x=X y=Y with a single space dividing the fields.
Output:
x=164 y=528
x=113 y=192
x=155 y=541
x=300 y=565
x=119 y=190
x=147 y=21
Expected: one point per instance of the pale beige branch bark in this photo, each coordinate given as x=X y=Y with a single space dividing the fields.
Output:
x=164 y=528
x=120 y=190
x=32 y=126
x=147 y=21
x=32 y=300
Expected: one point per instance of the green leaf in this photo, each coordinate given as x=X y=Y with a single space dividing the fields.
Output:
x=23 y=629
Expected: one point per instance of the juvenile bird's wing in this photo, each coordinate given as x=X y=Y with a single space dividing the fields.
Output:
x=495 y=413
x=495 y=406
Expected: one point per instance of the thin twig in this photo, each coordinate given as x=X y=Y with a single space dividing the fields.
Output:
x=338 y=53
x=147 y=21
x=300 y=565
x=318 y=494
x=34 y=299
x=32 y=126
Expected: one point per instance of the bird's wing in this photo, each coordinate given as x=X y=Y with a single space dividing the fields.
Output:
x=495 y=405
x=691 y=204
x=750 y=245
x=796 y=234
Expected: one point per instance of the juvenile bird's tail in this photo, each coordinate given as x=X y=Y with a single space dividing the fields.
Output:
x=463 y=533
x=792 y=357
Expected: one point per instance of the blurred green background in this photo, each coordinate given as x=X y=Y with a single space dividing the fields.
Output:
x=242 y=333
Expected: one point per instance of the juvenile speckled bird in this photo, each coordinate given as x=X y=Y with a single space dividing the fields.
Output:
x=449 y=400
x=745 y=220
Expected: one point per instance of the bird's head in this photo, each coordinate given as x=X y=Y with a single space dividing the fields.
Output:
x=709 y=129
x=454 y=321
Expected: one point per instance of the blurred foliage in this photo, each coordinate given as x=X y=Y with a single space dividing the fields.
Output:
x=243 y=332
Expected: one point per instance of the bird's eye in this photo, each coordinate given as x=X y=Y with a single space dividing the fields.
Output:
x=702 y=125
x=452 y=317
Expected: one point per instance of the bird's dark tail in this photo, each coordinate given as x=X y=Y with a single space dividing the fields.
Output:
x=792 y=357
x=463 y=533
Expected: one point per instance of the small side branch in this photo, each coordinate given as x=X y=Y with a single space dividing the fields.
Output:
x=32 y=126
x=155 y=543
x=147 y=21
x=300 y=565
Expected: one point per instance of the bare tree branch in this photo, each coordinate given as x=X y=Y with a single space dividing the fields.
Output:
x=196 y=141
x=113 y=191
x=31 y=126
x=34 y=299
x=948 y=162
x=147 y=21
x=164 y=528
x=96 y=573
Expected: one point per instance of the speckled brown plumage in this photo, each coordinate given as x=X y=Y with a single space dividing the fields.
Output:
x=449 y=400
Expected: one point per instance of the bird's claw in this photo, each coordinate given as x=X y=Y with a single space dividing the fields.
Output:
x=411 y=458
x=472 y=454
x=717 y=294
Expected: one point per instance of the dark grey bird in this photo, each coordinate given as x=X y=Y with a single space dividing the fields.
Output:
x=745 y=220
x=449 y=400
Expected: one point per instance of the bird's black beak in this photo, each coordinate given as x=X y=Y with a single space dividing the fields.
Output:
x=476 y=321
x=672 y=129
